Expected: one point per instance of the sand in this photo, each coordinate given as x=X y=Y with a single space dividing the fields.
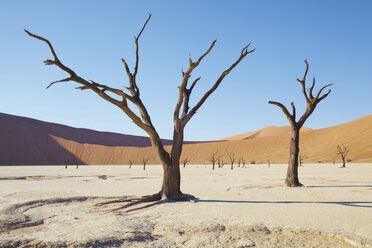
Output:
x=49 y=206
x=26 y=141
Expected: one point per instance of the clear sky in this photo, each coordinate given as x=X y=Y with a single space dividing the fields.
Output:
x=92 y=36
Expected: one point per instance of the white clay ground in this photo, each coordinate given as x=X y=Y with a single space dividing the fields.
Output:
x=49 y=206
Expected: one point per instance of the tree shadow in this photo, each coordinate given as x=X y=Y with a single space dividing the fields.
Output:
x=341 y=186
x=344 y=203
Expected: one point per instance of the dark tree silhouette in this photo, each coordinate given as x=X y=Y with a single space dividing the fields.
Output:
x=144 y=161
x=182 y=113
x=213 y=158
x=292 y=170
x=232 y=160
x=185 y=161
x=343 y=151
x=130 y=163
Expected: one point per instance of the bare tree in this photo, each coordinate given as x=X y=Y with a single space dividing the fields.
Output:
x=243 y=162
x=343 y=151
x=185 y=161
x=144 y=161
x=66 y=163
x=301 y=158
x=232 y=160
x=170 y=160
x=268 y=163
x=213 y=158
x=292 y=170
x=130 y=163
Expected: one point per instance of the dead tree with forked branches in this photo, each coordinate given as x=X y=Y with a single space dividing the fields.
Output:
x=343 y=151
x=182 y=113
x=292 y=170
x=213 y=158
x=243 y=162
x=301 y=158
x=232 y=160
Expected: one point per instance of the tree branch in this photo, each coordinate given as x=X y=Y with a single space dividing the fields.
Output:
x=320 y=91
x=185 y=78
x=285 y=111
x=302 y=82
x=244 y=52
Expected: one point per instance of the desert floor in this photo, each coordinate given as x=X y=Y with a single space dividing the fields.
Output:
x=48 y=206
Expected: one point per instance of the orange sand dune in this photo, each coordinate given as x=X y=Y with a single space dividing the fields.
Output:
x=264 y=132
x=28 y=141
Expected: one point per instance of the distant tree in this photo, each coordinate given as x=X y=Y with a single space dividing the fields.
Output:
x=144 y=161
x=343 y=151
x=232 y=160
x=292 y=170
x=243 y=162
x=182 y=113
x=213 y=158
x=130 y=163
x=253 y=162
x=66 y=163
x=185 y=161
x=301 y=158
x=268 y=163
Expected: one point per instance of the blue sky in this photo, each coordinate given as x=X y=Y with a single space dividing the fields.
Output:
x=92 y=36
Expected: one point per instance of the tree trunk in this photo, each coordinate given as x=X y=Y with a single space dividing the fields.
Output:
x=213 y=165
x=343 y=162
x=292 y=170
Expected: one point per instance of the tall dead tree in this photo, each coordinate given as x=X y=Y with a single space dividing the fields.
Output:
x=268 y=163
x=144 y=161
x=343 y=151
x=130 y=163
x=181 y=116
x=232 y=160
x=292 y=170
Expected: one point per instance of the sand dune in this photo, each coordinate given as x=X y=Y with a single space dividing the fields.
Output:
x=317 y=145
x=268 y=131
x=27 y=141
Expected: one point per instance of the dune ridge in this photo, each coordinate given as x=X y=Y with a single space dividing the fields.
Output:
x=27 y=141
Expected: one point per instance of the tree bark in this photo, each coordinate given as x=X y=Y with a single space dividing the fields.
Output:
x=343 y=162
x=292 y=170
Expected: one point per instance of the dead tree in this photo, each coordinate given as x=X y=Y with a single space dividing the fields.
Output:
x=239 y=161
x=130 y=163
x=66 y=163
x=301 y=158
x=292 y=170
x=182 y=113
x=232 y=160
x=185 y=161
x=268 y=163
x=243 y=162
x=144 y=161
x=343 y=151
x=213 y=158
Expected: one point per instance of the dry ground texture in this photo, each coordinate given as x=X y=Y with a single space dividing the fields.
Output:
x=49 y=206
